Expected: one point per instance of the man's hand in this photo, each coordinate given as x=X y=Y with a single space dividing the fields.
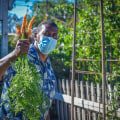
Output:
x=22 y=47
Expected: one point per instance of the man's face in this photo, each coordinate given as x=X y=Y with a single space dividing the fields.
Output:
x=49 y=31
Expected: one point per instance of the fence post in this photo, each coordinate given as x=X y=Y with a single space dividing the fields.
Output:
x=73 y=63
x=103 y=60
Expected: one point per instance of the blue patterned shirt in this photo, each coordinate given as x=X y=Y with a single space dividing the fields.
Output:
x=48 y=83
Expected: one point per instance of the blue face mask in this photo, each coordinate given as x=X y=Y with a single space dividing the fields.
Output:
x=46 y=44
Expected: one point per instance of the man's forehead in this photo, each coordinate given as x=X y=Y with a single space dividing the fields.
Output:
x=47 y=27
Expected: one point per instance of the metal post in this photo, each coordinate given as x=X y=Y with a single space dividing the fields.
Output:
x=4 y=42
x=103 y=60
x=73 y=65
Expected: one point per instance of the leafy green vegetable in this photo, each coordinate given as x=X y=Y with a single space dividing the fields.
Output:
x=25 y=93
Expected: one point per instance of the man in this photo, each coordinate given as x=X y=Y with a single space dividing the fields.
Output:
x=37 y=54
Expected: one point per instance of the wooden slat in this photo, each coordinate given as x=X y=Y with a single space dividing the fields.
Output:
x=114 y=60
x=86 y=104
x=117 y=97
x=77 y=95
x=94 y=73
x=118 y=112
x=98 y=93
x=109 y=95
x=68 y=93
x=109 y=91
x=88 y=98
x=93 y=99
x=75 y=108
x=75 y=113
x=68 y=87
x=57 y=101
x=98 y=97
x=110 y=98
x=63 y=86
x=64 y=104
x=61 y=102
x=58 y=108
x=82 y=96
x=87 y=91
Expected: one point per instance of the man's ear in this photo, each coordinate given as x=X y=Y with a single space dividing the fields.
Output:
x=38 y=38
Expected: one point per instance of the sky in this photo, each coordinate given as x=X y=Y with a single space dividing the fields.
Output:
x=20 y=7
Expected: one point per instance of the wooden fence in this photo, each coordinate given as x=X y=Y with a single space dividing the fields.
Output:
x=87 y=101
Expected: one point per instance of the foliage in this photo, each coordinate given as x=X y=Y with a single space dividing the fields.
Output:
x=88 y=36
x=61 y=56
x=25 y=93
x=88 y=39
x=11 y=43
x=114 y=102
x=56 y=10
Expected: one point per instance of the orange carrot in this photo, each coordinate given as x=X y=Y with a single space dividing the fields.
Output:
x=31 y=22
x=29 y=33
x=30 y=26
x=24 y=23
x=18 y=30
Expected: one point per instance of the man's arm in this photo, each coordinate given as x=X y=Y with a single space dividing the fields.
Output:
x=22 y=47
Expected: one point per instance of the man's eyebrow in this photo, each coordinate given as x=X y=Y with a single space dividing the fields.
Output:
x=46 y=31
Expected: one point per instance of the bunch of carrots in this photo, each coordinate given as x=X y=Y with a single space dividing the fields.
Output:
x=25 y=32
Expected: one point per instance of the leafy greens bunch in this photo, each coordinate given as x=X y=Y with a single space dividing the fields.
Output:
x=25 y=93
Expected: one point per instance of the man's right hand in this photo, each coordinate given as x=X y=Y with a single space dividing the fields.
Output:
x=22 y=47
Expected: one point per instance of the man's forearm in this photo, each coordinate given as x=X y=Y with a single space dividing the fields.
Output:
x=22 y=47
x=5 y=62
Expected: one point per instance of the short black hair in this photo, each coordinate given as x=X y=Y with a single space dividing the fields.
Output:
x=51 y=23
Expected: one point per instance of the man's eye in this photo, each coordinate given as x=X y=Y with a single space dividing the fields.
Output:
x=54 y=36
x=46 y=33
